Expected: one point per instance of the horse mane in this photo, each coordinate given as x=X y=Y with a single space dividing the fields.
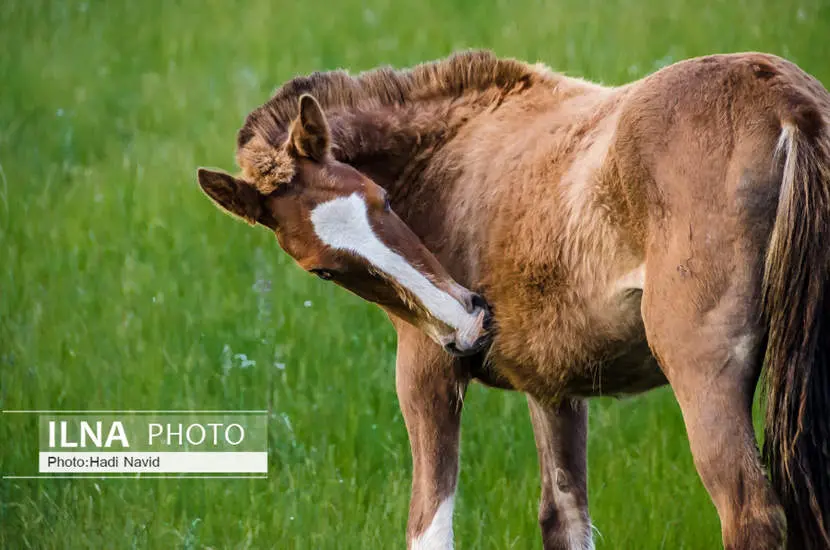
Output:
x=457 y=75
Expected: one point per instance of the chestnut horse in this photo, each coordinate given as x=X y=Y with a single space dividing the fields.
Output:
x=675 y=229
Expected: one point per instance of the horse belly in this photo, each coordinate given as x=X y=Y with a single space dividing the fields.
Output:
x=607 y=355
x=634 y=370
x=623 y=365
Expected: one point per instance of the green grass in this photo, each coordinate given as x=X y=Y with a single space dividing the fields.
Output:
x=121 y=285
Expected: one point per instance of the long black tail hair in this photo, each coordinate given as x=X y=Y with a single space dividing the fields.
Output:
x=797 y=310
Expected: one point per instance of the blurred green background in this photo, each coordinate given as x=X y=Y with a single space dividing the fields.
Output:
x=121 y=286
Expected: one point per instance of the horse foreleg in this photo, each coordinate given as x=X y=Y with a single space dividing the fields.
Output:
x=561 y=432
x=431 y=396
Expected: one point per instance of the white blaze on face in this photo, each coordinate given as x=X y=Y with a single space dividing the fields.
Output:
x=438 y=536
x=343 y=224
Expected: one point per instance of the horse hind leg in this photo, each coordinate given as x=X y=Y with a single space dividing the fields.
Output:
x=703 y=326
x=560 y=431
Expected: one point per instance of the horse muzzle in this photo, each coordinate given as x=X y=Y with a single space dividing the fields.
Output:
x=476 y=337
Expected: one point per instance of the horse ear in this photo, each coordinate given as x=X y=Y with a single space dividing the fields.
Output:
x=234 y=196
x=310 y=134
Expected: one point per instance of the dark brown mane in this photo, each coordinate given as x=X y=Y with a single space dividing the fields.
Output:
x=451 y=77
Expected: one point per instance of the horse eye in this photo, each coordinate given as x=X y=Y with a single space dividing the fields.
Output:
x=324 y=274
x=386 y=204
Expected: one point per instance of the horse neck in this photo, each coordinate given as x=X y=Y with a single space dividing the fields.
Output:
x=435 y=158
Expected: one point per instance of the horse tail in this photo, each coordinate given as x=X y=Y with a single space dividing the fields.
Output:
x=797 y=313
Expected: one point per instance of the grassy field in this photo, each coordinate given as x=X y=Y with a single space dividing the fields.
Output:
x=121 y=286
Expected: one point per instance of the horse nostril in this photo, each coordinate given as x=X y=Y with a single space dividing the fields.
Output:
x=487 y=324
x=478 y=302
x=474 y=302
